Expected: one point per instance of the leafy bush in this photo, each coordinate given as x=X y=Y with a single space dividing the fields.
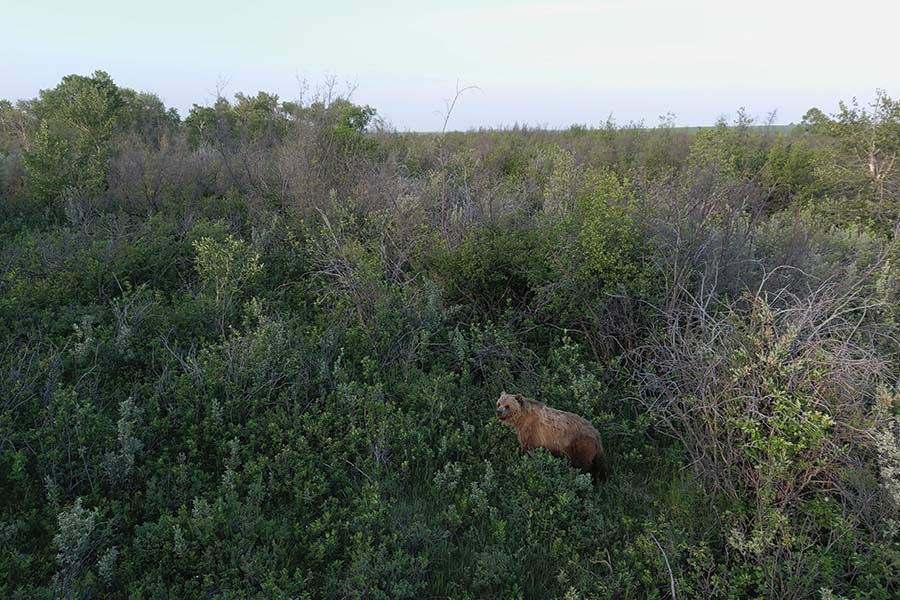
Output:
x=776 y=406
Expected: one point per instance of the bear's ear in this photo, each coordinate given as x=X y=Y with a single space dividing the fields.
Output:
x=520 y=399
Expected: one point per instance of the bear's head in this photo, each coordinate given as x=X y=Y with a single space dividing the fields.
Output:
x=510 y=406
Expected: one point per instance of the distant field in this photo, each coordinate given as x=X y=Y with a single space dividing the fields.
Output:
x=586 y=129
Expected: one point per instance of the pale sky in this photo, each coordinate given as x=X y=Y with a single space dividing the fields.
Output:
x=536 y=62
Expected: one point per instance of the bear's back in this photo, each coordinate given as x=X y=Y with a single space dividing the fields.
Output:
x=566 y=421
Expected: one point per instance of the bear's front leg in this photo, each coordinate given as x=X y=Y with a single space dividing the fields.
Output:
x=523 y=446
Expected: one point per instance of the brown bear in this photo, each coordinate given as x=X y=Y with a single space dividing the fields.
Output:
x=562 y=433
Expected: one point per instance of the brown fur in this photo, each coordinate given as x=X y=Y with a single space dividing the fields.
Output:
x=563 y=433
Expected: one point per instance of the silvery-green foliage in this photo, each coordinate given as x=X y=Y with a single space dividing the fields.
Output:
x=119 y=464
x=559 y=193
x=129 y=311
x=107 y=564
x=74 y=543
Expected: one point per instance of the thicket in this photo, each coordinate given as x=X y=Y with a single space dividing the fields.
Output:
x=254 y=352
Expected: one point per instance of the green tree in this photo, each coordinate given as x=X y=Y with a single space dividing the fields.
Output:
x=76 y=121
x=259 y=118
x=226 y=267
x=863 y=164
x=737 y=148
x=145 y=114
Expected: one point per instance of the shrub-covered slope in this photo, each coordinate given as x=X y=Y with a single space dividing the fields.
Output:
x=255 y=353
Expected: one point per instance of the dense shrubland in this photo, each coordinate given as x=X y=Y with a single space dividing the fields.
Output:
x=254 y=353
